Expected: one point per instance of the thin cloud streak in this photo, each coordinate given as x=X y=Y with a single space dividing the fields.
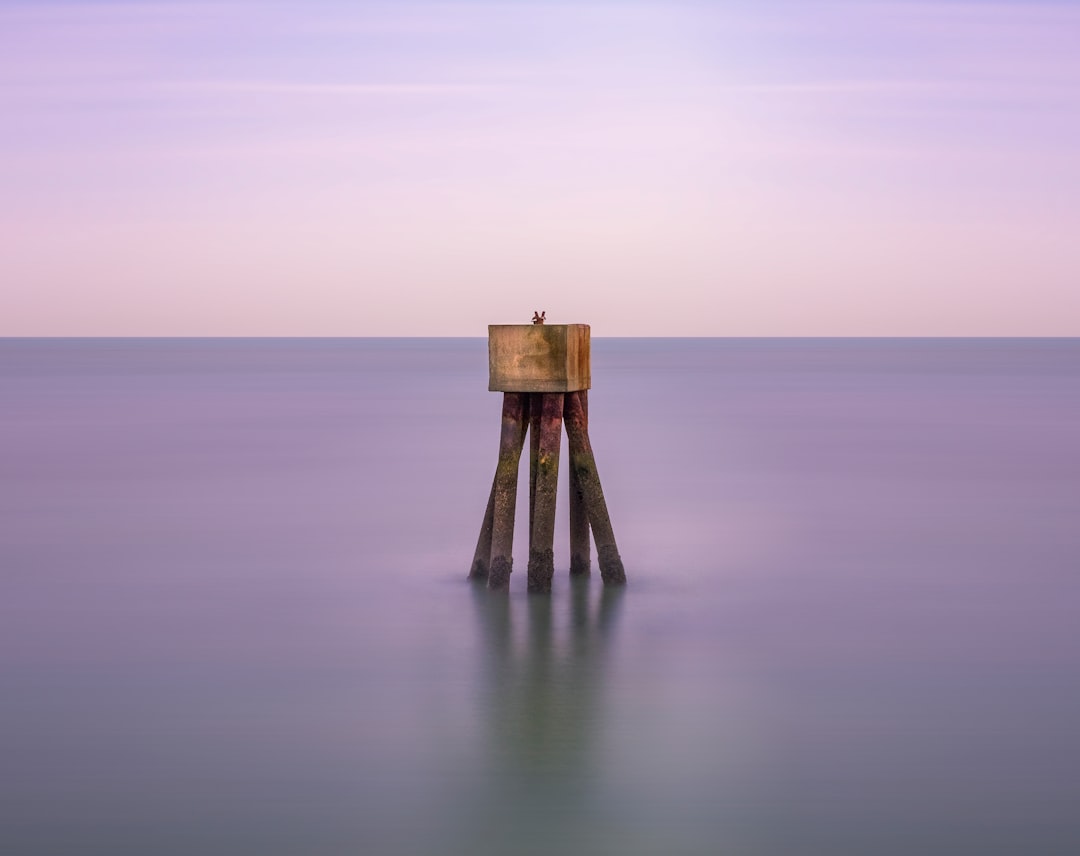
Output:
x=125 y=90
x=299 y=88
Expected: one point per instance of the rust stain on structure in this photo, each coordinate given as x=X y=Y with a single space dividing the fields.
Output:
x=538 y=357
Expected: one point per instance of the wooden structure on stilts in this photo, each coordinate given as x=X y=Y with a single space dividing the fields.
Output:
x=544 y=374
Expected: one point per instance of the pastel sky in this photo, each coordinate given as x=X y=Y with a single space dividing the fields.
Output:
x=879 y=167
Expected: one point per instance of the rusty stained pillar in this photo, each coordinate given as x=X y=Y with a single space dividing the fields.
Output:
x=536 y=406
x=482 y=557
x=511 y=439
x=583 y=462
x=546 y=471
x=580 y=546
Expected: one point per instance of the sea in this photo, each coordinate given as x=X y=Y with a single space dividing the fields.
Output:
x=235 y=615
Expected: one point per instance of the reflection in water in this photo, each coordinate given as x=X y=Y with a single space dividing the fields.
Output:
x=542 y=677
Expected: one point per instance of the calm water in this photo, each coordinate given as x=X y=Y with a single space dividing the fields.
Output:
x=234 y=616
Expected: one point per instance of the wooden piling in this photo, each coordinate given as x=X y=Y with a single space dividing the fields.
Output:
x=580 y=548
x=535 y=405
x=482 y=557
x=511 y=440
x=542 y=533
x=583 y=462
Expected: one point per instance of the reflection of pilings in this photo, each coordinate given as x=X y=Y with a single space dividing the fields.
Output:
x=511 y=439
x=545 y=471
x=543 y=703
x=584 y=464
x=580 y=560
x=579 y=614
x=541 y=708
x=495 y=618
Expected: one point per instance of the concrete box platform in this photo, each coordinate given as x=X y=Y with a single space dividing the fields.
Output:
x=538 y=357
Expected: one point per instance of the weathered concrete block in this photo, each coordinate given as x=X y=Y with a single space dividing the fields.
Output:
x=538 y=357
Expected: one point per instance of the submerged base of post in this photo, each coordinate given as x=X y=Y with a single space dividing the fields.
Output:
x=580 y=564
x=499 y=573
x=611 y=566
x=541 y=570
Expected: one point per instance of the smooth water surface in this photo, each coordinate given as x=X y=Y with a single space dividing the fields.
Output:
x=234 y=616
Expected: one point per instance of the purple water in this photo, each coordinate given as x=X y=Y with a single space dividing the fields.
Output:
x=234 y=616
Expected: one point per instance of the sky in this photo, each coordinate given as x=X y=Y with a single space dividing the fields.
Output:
x=328 y=168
